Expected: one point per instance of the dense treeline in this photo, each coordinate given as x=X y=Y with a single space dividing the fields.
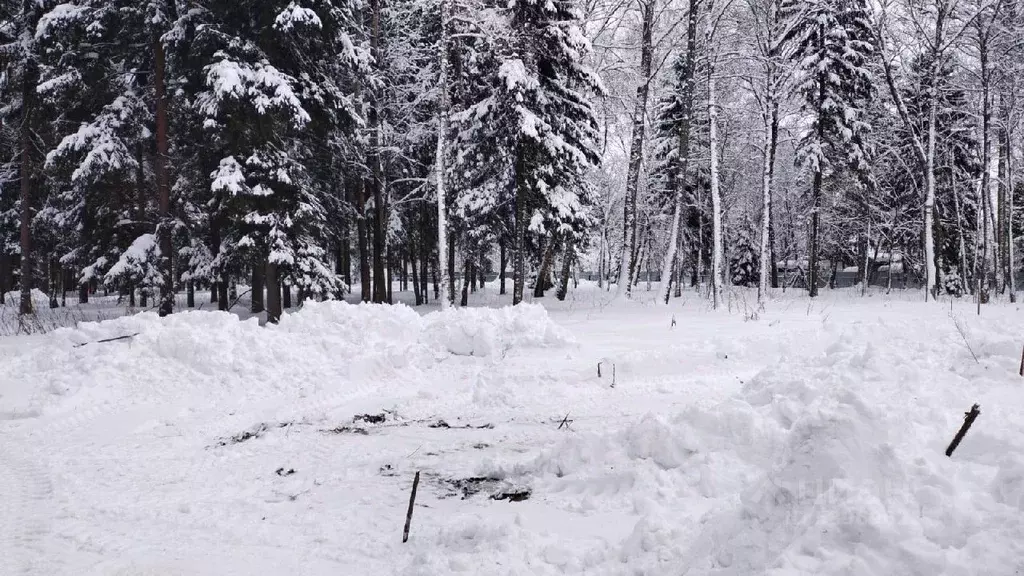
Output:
x=308 y=148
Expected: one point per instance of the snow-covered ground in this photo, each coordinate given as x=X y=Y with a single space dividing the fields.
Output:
x=801 y=438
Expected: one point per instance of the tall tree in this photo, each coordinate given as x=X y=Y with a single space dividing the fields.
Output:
x=830 y=42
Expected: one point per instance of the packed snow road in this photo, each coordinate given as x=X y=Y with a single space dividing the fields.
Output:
x=802 y=438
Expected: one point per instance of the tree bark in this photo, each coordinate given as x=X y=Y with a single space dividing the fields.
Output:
x=683 y=144
x=364 y=247
x=425 y=252
x=444 y=253
x=544 y=274
x=503 y=262
x=716 y=195
x=223 y=303
x=636 y=150
x=519 y=258
x=768 y=271
x=567 y=256
x=273 y=293
x=163 y=184
x=286 y=295
x=416 y=288
x=6 y=275
x=467 y=273
x=258 y=282
x=27 y=176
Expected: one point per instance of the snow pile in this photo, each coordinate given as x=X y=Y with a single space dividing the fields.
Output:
x=825 y=464
x=12 y=298
x=332 y=350
x=493 y=331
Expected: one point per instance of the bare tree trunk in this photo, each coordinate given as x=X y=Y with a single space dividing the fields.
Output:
x=519 y=257
x=567 y=257
x=812 y=248
x=768 y=272
x=273 y=294
x=1010 y=259
x=986 y=167
x=364 y=247
x=544 y=274
x=416 y=287
x=683 y=144
x=163 y=184
x=931 y=280
x=286 y=294
x=190 y=294
x=6 y=275
x=957 y=205
x=222 y=294
x=467 y=272
x=53 y=273
x=866 y=273
x=503 y=263
x=258 y=281
x=447 y=296
x=716 y=195
x=636 y=149
x=27 y=176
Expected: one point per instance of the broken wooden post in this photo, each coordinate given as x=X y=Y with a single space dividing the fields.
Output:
x=565 y=422
x=969 y=418
x=412 y=502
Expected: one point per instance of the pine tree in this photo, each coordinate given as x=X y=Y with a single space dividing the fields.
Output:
x=830 y=42
x=19 y=58
x=533 y=129
x=270 y=85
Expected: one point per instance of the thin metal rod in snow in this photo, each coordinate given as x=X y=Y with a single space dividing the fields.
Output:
x=412 y=502
x=969 y=418
x=125 y=337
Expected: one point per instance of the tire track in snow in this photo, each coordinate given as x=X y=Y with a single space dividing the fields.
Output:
x=25 y=514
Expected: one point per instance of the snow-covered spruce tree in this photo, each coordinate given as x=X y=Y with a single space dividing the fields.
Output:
x=744 y=261
x=830 y=42
x=19 y=60
x=115 y=133
x=270 y=80
x=100 y=200
x=533 y=131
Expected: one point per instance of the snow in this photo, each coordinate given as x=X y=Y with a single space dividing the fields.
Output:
x=13 y=298
x=804 y=438
x=260 y=84
x=295 y=14
x=137 y=260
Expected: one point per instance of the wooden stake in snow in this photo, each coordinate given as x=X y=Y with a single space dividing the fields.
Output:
x=412 y=502
x=969 y=418
x=1022 y=362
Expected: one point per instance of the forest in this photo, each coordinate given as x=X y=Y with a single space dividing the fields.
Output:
x=319 y=148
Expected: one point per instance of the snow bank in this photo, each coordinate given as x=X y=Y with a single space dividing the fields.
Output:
x=331 y=349
x=493 y=331
x=12 y=298
x=830 y=464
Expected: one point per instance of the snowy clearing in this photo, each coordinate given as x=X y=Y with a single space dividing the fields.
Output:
x=805 y=438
